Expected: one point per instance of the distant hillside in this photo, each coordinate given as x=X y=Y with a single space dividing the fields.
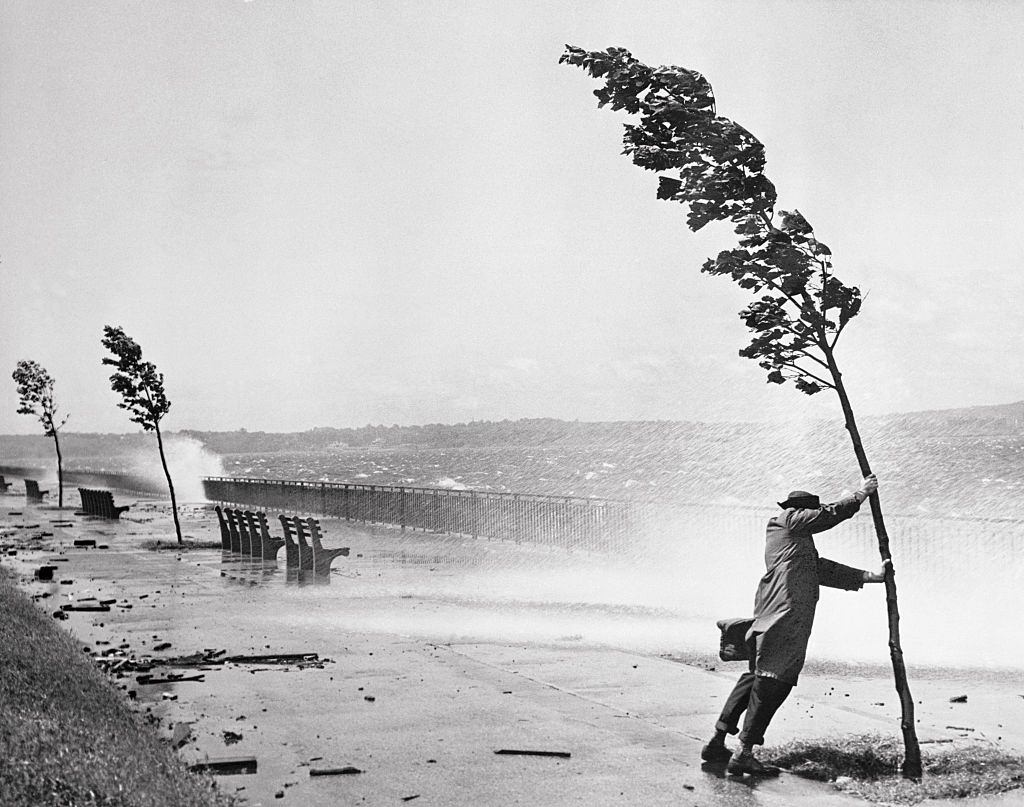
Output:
x=963 y=461
x=992 y=421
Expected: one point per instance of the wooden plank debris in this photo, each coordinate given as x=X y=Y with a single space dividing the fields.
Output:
x=529 y=753
x=226 y=765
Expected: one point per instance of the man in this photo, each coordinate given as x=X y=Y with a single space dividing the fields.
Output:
x=783 y=614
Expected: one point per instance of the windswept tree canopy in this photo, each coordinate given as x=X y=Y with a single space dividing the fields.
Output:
x=140 y=385
x=715 y=167
x=35 y=395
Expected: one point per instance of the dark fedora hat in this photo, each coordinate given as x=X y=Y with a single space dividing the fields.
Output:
x=801 y=499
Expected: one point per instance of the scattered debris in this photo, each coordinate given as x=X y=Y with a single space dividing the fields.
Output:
x=147 y=680
x=271 y=658
x=207 y=659
x=181 y=734
x=333 y=771
x=958 y=699
x=231 y=737
x=226 y=765
x=521 y=752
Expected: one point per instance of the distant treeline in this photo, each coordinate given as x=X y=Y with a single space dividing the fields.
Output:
x=987 y=421
x=481 y=434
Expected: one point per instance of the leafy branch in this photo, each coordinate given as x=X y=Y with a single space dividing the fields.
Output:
x=138 y=382
x=715 y=167
x=35 y=395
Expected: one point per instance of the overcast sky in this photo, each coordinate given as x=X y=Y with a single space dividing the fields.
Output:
x=340 y=213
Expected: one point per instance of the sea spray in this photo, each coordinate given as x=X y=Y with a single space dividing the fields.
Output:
x=663 y=593
x=188 y=460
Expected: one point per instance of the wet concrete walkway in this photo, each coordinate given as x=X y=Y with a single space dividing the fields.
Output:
x=417 y=691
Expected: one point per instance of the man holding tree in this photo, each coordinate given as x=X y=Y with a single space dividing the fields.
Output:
x=783 y=615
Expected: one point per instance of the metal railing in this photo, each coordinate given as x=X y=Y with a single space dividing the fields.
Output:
x=74 y=478
x=566 y=521
x=948 y=546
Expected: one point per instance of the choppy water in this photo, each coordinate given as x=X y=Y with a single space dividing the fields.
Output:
x=940 y=475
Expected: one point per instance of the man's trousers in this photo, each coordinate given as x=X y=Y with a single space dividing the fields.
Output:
x=760 y=696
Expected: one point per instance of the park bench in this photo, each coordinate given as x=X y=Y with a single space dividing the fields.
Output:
x=32 y=491
x=304 y=546
x=262 y=543
x=252 y=541
x=225 y=532
x=233 y=532
x=3 y=485
x=100 y=503
x=247 y=533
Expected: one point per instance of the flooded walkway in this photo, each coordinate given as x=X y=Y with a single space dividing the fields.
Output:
x=432 y=653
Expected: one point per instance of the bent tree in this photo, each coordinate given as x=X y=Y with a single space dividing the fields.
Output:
x=715 y=167
x=35 y=397
x=142 y=393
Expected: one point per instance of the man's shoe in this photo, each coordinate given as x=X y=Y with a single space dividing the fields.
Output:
x=712 y=752
x=745 y=762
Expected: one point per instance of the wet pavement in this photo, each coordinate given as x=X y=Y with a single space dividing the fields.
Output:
x=426 y=666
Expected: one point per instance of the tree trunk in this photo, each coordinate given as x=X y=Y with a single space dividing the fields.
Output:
x=170 y=484
x=912 y=750
x=60 y=473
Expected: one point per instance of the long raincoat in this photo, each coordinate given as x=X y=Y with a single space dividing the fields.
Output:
x=788 y=593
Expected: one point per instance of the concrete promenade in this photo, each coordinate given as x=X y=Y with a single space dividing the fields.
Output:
x=415 y=687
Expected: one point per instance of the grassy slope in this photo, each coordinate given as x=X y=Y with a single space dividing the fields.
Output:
x=66 y=736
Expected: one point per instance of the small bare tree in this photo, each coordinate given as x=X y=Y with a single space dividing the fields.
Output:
x=35 y=397
x=142 y=393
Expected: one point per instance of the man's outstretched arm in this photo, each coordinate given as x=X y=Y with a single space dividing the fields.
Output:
x=826 y=517
x=837 y=575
